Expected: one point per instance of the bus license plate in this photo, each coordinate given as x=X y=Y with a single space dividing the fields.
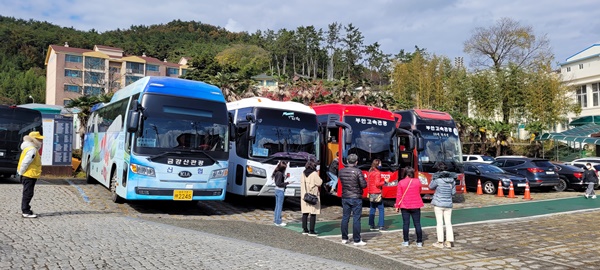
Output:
x=289 y=192
x=182 y=195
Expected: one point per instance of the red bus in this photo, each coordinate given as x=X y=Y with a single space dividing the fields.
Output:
x=369 y=132
x=438 y=141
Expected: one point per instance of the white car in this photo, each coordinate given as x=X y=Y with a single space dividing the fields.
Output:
x=478 y=158
x=583 y=161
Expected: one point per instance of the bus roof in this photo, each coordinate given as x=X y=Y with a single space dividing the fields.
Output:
x=354 y=110
x=171 y=86
x=262 y=102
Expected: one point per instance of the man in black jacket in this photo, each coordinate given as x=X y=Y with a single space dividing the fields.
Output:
x=353 y=183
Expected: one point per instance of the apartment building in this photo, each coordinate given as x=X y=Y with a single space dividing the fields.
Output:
x=73 y=72
x=582 y=71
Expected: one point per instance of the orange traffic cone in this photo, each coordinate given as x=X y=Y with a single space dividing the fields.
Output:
x=500 y=190
x=527 y=195
x=511 y=191
x=464 y=184
x=479 y=191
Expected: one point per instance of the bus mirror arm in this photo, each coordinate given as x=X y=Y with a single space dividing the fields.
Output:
x=348 y=129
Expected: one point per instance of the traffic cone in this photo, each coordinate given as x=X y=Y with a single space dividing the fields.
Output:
x=500 y=190
x=479 y=191
x=527 y=195
x=464 y=184
x=511 y=191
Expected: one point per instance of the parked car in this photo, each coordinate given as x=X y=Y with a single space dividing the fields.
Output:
x=478 y=158
x=490 y=175
x=583 y=161
x=570 y=177
x=540 y=172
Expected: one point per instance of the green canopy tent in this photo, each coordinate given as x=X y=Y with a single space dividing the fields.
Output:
x=585 y=120
x=580 y=133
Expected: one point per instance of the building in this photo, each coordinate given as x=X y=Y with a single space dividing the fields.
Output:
x=582 y=71
x=73 y=72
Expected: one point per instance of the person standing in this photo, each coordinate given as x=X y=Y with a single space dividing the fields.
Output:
x=353 y=183
x=375 y=183
x=311 y=183
x=409 y=202
x=280 y=184
x=444 y=184
x=590 y=177
x=29 y=169
x=332 y=173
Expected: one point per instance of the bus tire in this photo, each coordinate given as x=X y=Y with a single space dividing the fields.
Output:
x=113 y=189
x=88 y=178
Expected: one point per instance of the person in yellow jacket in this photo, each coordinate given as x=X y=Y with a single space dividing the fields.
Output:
x=29 y=169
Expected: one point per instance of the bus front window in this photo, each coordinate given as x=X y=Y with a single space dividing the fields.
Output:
x=372 y=139
x=440 y=149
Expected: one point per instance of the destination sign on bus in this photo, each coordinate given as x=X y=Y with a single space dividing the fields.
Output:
x=441 y=130
x=369 y=121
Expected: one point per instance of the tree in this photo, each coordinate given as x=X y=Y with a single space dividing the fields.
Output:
x=332 y=40
x=352 y=52
x=247 y=60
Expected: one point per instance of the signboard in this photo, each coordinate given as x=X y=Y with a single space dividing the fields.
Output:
x=58 y=140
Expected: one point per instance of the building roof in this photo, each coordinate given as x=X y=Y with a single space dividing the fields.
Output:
x=589 y=52
x=102 y=47
x=63 y=49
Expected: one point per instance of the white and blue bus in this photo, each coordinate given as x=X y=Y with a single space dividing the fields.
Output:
x=160 y=138
x=268 y=131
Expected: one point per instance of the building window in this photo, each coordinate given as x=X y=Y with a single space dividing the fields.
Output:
x=72 y=88
x=580 y=66
x=152 y=68
x=582 y=96
x=73 y=58
x=131 y=79
x=134 y=68
x=66 y=102
x=172 y=71
x=94 y=77
x=94 y=63
x=596 y=94
x=92 y=90
x=183 y=72
x=568 y=69
x=72 y=73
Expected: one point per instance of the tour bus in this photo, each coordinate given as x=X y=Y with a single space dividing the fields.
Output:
x=269 y=132
x=439 y=142
x=15 y=123
x=160 y=138
x=366 y=131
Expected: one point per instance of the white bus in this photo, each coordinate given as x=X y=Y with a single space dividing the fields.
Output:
x=269 y=131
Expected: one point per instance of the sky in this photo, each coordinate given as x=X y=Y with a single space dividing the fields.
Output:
x=439 y=26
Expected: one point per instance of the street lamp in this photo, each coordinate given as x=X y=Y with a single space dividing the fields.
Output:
x=33 y=100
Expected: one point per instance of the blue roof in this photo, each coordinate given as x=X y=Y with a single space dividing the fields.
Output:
x=171 y=86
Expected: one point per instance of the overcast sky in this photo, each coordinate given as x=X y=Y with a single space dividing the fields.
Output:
x=440 y=26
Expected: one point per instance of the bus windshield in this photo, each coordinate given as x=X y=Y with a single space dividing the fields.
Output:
x=372 y=139
x=179 y=124
x=441 y=145
x=285 y=135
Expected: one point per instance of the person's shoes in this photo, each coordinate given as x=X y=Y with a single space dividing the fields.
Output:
x=372 y=228
x=361 y=243
x=333 y=191
x=304 y=232
x=593 y=196
x=586 y=196
x=32 y=215
x=344 y=241
x=438 y=245
x=381 y=229
x=448 y=244
x=419 y=244
x=405 y=244
x=282 y=224
x=313 y=234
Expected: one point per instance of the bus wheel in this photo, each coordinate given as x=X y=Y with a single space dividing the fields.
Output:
x=88 y=178
x=113 y=189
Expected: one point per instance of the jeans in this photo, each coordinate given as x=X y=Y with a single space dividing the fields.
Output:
x=333 y=180
x=351 y=206
x=28 y=185
x=374 y=207
x=590 y=189
x=278 y=205
x=443 y=216
x=416 y=217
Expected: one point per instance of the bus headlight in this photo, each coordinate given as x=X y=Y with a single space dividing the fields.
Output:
x=256 y=171
x=423 y=179
x=220 y=173
x=143 y=170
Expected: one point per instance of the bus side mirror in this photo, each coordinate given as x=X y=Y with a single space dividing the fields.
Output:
x=232 y=131
x=133 y=121
x=420 y=144
x=411 y=143
x=252 y=132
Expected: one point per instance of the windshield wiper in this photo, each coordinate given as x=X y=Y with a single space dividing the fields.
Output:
x=165 y=153
x=206 y=154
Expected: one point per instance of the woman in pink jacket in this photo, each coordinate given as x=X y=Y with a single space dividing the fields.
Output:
x=408 y=199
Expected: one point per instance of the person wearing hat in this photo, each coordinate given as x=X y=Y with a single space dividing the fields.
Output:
x=353 y=182
x=29 y=169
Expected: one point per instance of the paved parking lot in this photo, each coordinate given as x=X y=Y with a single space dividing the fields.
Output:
x=78 y=218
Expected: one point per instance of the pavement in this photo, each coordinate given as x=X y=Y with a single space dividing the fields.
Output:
x=80 y=228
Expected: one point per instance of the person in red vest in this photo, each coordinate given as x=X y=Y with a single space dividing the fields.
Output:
x=29 y=169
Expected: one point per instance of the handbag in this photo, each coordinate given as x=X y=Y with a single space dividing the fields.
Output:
x=375 y=198
x=309 y=197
